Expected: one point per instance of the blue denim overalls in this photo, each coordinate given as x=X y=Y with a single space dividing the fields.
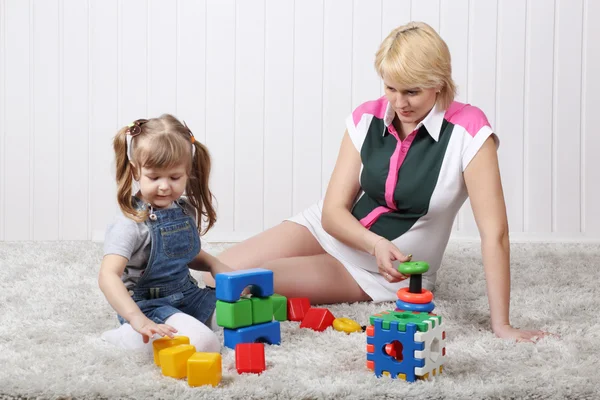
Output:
x=166 y=286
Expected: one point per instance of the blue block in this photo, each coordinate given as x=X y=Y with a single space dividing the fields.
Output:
x=231 y=284
x=383 y=362
x=404 y=306
x=269 y=332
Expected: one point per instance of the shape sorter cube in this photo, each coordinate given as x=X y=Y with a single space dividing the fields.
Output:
x=173 y=360
x=406 y=345
x=204 y=369
x=230 y=285
x=166 y=342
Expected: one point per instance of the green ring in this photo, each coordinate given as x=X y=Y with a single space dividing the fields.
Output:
x=413 y=267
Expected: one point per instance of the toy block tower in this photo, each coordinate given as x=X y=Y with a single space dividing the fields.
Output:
x=247 y=320
x=409 y=343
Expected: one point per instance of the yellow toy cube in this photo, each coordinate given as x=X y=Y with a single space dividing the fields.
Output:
x=166 y=342
x=173 y=360
x=204 y=369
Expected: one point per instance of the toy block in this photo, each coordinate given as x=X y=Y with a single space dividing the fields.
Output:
x=262 y=310
x=231 y=284
x=317 y=319
x=234 y=315
x=269 y=332
x=166 y=342
x=297 y=307
x=279 y=307
x=173 y=360
x=250 y=357
x=204 y=369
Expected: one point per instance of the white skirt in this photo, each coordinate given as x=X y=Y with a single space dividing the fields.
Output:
x=362 y=266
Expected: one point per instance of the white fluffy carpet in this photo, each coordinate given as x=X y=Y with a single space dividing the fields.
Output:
x=52 y=314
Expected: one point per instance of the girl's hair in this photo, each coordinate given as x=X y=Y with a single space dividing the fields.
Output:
x=163 y=142
x=414 y=55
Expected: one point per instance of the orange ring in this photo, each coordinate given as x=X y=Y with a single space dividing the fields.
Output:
x=416 y=298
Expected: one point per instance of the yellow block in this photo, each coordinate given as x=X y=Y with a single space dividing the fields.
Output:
x=204 y=369
x=166 y=342
x=173 y=360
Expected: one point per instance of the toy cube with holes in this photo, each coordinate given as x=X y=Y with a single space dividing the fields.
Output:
x=247 y=320
x=406 y=345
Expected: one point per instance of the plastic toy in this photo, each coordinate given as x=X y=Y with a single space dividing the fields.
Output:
x=204 y=369
x=346 y=325
x=265 y=333
x=166 y=342
x=408 y=343
x=250 y=358
x=297 y=308
x=279 y=307
x=247 y=320
x=317 y=319
x=230 y=285
x=173 y=360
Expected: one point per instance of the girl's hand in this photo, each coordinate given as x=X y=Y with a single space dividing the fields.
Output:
x=148 y=328
x=520 y=335
x=385 y=252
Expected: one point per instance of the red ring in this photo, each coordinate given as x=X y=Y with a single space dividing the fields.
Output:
x=416 y=298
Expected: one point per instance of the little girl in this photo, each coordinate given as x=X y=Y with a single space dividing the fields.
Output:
x=149 y=249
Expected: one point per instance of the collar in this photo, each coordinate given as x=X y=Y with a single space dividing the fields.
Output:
x=432 y=122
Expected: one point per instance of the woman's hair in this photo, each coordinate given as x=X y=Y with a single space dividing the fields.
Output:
x=163 y=142
x=414 y=55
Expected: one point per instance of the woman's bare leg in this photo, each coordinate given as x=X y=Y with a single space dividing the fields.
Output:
x=321 y=278
x=287 y=239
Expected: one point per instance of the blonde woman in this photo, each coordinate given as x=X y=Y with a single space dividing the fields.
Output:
x=407 y=163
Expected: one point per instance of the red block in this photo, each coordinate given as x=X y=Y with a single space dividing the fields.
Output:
x=297 y=307
x=317 y=319
x=250 y=357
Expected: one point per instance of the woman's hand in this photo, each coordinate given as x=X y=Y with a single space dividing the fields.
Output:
x=386 y=252
x=520 y=335
x=148 y=328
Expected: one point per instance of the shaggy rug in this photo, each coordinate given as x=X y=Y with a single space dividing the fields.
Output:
x=52 y=314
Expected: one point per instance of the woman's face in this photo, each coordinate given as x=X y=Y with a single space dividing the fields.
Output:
x=411 y=104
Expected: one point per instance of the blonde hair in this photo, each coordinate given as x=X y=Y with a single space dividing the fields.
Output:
x=164 y=142
x=414 y=55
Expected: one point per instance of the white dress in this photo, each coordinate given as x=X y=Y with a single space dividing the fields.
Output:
x=411 y=190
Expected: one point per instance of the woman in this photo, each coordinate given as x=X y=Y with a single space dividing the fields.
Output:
x=407 y=163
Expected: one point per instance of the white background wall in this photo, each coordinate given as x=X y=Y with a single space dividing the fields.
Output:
x=267 y=84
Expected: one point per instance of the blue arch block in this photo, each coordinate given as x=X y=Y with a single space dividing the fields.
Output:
x=404 y=306
x=230 y=284
x=269 y=332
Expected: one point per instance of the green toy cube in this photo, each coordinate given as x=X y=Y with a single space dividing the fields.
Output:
x=234 y=315
x=279 y=307
x=262 y=310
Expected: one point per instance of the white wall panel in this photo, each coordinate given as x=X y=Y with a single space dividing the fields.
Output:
x=267 y=85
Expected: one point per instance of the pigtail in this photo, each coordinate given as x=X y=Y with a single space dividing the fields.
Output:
x=124 y=176
x=198 y=191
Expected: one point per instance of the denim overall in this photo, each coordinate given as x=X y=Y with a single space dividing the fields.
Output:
x=166 y=286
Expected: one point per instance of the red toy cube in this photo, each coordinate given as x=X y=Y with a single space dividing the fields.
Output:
x=250 y=357
x=297 y=307
x=317 y=319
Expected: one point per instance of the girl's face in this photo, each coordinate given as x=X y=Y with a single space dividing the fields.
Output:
x=410 y=104
x=161 y=186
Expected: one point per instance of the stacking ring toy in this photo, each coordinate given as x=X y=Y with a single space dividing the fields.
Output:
x=421 y=298
x=404 y=306
x=346 y=325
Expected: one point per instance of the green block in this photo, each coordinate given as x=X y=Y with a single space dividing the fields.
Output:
x=406 y=317
x=262 y=310
x=279 y=307
x=234 y=315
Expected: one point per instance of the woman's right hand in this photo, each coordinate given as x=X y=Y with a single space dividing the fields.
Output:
x=386 y=252
x=148 y=328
